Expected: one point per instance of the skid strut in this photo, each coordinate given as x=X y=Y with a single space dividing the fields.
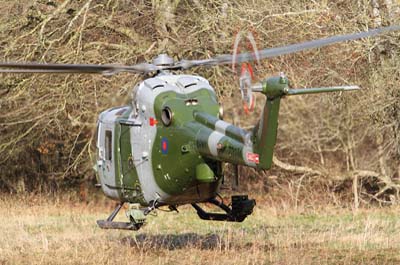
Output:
x=109 y=224
x=241 y=208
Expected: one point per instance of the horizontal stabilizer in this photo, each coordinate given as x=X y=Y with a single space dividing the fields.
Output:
x=301 y=91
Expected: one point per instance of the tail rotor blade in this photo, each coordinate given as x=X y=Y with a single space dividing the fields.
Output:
x=245 y=79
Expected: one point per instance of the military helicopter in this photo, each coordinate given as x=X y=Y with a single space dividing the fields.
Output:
x=167 y=148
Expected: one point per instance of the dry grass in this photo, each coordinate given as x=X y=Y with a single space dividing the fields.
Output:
x=38 y=230
x=47 y=122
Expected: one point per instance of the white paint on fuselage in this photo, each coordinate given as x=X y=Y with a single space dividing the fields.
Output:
x=221 y=126
x=106 y=168
x=213 y=141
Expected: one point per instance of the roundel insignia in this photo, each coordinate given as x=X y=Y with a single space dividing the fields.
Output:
x=164 y=146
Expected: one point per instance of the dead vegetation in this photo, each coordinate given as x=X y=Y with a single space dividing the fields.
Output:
x=340 y=143
x=61 y=230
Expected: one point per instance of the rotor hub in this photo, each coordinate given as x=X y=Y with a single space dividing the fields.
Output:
x=163 y=60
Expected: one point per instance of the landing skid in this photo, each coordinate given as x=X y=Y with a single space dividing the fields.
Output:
x=104 y=224
x=241 y=208
x=109 y=224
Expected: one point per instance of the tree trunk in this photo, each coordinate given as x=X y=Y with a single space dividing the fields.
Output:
x=164 y=20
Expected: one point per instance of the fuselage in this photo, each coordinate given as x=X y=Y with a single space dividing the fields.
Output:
x=169 y=144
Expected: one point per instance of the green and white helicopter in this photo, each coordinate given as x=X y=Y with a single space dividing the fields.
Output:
x=167 y=148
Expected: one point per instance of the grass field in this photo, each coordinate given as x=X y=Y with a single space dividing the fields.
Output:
x=40 y=230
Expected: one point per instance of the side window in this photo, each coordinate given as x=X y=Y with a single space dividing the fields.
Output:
x=108 y=145
x=98 y=130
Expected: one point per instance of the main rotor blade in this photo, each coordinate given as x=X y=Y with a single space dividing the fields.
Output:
x=15 y=67
x=293 y=48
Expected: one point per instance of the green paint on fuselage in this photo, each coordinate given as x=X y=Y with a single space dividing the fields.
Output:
x=175 y=170
x=210 y=121
x=126 y=176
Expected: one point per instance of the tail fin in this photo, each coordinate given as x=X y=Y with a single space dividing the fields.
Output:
x=264 y=133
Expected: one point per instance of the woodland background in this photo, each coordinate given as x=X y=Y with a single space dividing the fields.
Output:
x=340 y=148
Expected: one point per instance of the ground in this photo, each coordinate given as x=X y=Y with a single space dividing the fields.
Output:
x=43 y=230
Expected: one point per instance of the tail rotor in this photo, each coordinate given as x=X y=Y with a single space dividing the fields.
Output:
x=245 y=80
x=245 y=41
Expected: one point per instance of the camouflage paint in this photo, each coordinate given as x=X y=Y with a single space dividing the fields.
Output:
x=176 y=170
x=265 y=133
x=128 y=180
x=181 y=162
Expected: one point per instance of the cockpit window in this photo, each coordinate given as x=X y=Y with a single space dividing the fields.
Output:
x=108 y=145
